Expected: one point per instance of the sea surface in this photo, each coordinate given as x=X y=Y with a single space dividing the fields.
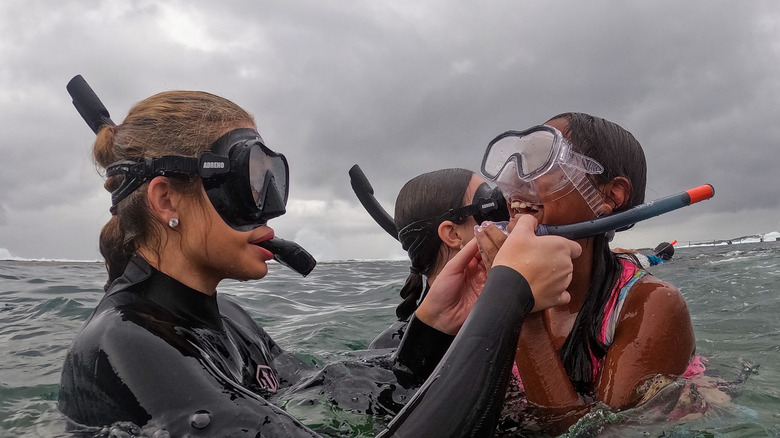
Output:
x=733 y=293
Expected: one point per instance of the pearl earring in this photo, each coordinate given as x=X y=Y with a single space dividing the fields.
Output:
x=174 y=222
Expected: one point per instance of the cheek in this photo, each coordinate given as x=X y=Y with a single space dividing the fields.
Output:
x=571 y=208
x=467 y=232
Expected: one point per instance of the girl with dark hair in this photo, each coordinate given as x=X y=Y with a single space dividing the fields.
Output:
x=623 y=326
x=193 y=186
x=435 y=214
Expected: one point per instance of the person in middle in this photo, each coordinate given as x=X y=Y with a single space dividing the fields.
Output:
x=435 y=215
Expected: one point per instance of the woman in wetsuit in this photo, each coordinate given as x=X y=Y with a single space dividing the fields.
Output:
x=435 y=215
x=192 y=188
x=622 y=326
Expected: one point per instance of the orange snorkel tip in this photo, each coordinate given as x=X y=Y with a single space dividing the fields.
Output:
x=700 y=193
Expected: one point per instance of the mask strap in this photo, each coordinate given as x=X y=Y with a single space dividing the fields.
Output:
x=587 y=189
x=138 y=172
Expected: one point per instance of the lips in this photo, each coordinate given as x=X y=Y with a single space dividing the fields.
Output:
x=268 y=254
x=267 y=236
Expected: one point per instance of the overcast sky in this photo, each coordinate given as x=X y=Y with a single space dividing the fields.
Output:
x=401 y=88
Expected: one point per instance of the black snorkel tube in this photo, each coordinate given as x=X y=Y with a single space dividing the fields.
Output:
x=365 y=194
x=580 y=230
x=92 y=110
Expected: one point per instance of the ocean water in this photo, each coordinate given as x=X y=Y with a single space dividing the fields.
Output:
x=733 y=293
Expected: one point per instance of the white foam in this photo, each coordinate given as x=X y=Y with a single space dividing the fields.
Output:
x=6 y=255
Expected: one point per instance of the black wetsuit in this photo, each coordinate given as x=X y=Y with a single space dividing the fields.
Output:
x=169 y=358
x=391 y=336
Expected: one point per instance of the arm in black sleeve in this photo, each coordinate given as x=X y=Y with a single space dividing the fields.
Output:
x=464 y=395
x=421 y=349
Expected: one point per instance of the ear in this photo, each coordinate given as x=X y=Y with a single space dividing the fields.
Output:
x=448 y=234
x=163 y=199
x=616 y=192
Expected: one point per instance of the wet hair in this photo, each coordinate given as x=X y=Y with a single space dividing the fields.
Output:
x=426 y=196
x=181 y=123
x=622 y=156
x=664 y=250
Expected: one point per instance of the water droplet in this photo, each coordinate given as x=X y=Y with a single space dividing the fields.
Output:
x=161 y=433
x=200 y=419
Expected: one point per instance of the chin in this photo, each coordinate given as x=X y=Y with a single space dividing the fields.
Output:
x=251 y=273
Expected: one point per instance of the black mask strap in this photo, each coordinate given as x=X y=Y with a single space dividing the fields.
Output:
x=137 y=173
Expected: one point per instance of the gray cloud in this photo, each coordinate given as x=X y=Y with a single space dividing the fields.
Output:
x=399 y=88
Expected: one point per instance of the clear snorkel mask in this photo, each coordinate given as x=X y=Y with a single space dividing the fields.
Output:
x=246 y=182
x=538 y=165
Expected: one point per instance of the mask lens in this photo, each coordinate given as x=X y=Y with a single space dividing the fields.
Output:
x=260 y=165
x=532 y=151
x=498 y=153
x=536 y=151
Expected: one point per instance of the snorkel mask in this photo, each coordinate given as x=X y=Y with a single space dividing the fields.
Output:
x=488 y=205
x=538 y=165
x=246 y=182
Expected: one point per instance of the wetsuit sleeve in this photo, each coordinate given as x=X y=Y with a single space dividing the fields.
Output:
x=421 y=349
x=464 y=395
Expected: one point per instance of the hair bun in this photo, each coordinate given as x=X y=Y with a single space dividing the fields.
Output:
x=103 y=150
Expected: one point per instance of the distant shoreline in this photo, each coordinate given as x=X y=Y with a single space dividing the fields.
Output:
x=774 y=236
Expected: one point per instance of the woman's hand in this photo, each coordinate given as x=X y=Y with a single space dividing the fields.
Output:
x=454 y=291
x=489 y=239
x=544 y=261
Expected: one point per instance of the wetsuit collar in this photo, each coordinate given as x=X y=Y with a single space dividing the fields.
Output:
x=179 y=299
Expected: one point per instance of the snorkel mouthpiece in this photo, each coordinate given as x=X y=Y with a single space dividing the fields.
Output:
x=290 y=254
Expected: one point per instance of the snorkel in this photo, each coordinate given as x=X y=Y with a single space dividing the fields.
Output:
x=629 y=217
x=95 y=114
x=365 y=194
x=580 y=230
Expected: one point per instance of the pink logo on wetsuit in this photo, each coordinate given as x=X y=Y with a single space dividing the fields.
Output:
x=266 y=377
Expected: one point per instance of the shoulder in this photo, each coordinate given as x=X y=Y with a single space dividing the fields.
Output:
x=651 y=297
x=652 y=289
x=234 y=311
x=234 y=314
x=391 y=336
x=119 y=331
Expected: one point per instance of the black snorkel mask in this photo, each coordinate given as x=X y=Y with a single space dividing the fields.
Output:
x=488 y=204
x=245 y=181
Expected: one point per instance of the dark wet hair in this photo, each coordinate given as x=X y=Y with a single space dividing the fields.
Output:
x=622 y=156
x=181 y=123
x=664 y=250
x=425 y=196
